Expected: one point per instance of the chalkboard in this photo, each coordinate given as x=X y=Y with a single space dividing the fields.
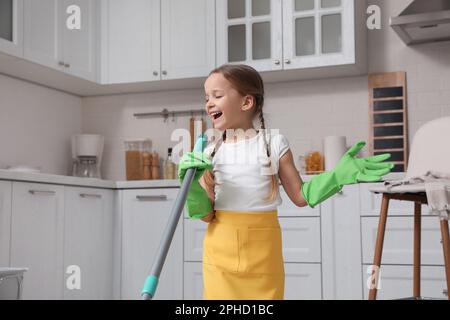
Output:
x=388 y=117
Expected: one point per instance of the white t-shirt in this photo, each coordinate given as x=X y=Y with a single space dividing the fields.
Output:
x=243 y=174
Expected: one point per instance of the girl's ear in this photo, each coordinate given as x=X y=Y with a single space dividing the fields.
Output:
x=249 y=102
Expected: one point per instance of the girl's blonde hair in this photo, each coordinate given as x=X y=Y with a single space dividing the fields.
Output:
x=247 y=81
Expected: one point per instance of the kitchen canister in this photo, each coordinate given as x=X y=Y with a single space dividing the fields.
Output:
x=334 y=148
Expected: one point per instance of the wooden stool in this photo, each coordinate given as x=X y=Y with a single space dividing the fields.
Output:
x=418 y=199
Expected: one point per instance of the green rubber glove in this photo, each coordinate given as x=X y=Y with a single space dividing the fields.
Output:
x=198 y=204
x=349 y=170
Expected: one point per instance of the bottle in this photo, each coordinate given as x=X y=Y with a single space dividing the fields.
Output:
x=169 y=166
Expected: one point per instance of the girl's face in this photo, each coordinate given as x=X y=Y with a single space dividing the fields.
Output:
x=227 y=108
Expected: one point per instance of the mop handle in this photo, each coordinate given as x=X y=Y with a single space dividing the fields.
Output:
x=151 y=283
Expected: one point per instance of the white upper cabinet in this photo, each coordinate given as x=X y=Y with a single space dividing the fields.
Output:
x=41 y=32
x=79 y=45
x=318 y=33
x=250 y=32
x=188 y=33
x=149 y=40
x=130 y=41
x=286 y=34
x=49 y=41
x=11 y=27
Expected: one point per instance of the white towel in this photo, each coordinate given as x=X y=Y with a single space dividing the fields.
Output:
x=437 y=187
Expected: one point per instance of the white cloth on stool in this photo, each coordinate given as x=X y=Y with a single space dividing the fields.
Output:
x=437 y=188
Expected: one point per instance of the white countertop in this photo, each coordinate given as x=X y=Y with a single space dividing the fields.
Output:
x=110 y=184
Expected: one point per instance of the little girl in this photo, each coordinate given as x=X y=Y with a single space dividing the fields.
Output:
x=242 y=249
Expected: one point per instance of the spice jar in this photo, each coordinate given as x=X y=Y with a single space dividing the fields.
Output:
x=137 y=154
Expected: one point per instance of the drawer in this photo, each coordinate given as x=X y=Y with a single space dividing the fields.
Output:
x=302 y=281
x=397 y=282
x=398 y=240
x=301 y=239
x=371 y=203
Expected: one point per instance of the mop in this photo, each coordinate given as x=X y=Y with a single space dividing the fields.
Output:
x=151 y=282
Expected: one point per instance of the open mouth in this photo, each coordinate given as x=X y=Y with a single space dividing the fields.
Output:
x=217 y=115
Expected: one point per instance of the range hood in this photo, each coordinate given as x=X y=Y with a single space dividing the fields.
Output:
x=423 y=21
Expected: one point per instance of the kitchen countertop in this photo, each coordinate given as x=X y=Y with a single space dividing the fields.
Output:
x=110 y=184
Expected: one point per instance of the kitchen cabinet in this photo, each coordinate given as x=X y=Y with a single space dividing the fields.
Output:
x=11 y=27
x=303 y=281
x=290 y=34
x=397 y=282
x=301 y=251
x=145 y=214
x=37 y=227
x=171 y=39
x=88 y=241
x=5 y=222
x=48 y=40
x=341 y=245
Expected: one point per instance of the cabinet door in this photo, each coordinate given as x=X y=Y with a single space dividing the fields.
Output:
x=250 y=32
x=188 y=38
x=5 y=222
x=398 y=240
x=43 y=33
x=11 y=27
x=79 y=45
x=318 y=33
x=132 y=32
x=145 y=214
x=302 y=281
x=341 y=245
x=397 y=282
x=88 y=242
x=37 y=238
x=193 y=281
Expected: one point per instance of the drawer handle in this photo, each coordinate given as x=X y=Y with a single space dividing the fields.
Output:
x=152 y=198
x=88 y=195
x=43 y=192
x=445 y=292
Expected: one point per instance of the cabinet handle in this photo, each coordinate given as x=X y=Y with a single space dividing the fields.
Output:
x=43 y=192
x=67 y=65
x=287 y=61
x=277 y=62
x=88 y=195
x=155 y=73
x=152 y=198
x=61 y=63
x=164 y=72
x=445 y=292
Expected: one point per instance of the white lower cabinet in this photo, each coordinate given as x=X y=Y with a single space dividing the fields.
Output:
x=88 y=243
x=397 y=282
x=303 y=281
x=5 y=222
x=145 y=214
x=398 y=240
x=301 y=253
x=37 y=234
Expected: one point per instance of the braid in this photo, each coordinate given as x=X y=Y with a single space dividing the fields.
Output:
x=263 y=129
x=217 y=145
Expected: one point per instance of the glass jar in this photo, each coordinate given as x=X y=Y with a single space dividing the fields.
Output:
x=136 y=158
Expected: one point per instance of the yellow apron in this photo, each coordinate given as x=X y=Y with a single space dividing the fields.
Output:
x=242 y=257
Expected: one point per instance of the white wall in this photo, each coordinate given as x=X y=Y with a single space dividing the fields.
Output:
x=305 y=111
x=35 y=125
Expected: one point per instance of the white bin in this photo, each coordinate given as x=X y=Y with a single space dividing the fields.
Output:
x=11 y=283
